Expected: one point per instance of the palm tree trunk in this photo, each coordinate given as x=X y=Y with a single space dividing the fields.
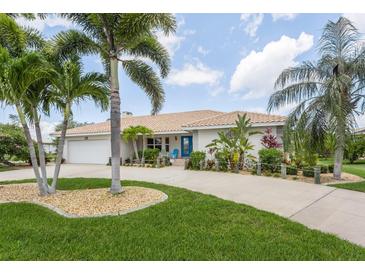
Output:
x=135 y=150
x=143 y=160
x=60 y=147
x=42 y=158
x=33 y=156
x=115 y=121
x=339 y=152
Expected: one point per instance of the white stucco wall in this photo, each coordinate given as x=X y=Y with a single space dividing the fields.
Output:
x=204 y=137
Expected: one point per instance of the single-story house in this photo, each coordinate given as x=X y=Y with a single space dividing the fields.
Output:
x=184 y=131
x=360 y=130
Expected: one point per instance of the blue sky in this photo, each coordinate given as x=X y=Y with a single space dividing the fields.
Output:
x=219 y=61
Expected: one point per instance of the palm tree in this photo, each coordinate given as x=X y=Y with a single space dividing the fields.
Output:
x=117 y=38
x=144 y=131
x=235 y=141
x=22 y=69
x=71 y=86
x=330 y=91
x=130 y=134
x=17 y=75
x=242 y=131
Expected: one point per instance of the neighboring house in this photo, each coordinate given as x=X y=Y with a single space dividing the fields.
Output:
x=49 y=147
x=360 y=130
x=184 y=131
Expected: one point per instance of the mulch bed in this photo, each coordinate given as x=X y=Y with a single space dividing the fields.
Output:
x=86 y=202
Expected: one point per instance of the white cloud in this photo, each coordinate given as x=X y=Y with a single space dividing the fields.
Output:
x=253 y=21
x=256 y=73
x=283 y=16
x=197 y=73
x=50 y=21
x=361 y=120
x=357 y=19
x=46 y=128
x=171 y=42
x=202 y=50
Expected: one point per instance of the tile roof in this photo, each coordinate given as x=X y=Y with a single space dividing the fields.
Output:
x=228 y=119
x=169 y=122
x=177 y=122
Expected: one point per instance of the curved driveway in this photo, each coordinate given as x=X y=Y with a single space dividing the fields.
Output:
x=328 y=209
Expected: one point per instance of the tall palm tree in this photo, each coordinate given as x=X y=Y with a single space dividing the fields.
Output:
x=19 y=59
x=117 y=38
x=16 y=77
x=330 y=91
x=71 y=86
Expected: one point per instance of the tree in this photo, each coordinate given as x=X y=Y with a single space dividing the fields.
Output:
x=144 y=131
x=269 y=140
x=17 y=75
x=117 y=38
x=235 y=142
x=12 y=143
x=71 y=86
x=355 y=147
x=130 y=134
x=330 y=91
x=20 y=69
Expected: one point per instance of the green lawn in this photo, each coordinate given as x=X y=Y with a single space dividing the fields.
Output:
x=6 y=168
x=357 y=168
x=188 y=226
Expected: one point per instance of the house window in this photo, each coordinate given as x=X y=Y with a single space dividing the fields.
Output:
x=167 y=144
x=154 y=143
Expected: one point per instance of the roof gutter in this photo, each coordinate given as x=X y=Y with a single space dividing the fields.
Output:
x=233 y=125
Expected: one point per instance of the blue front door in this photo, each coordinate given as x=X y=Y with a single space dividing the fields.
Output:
x=186 y=145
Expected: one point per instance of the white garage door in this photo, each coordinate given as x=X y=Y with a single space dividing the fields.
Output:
x=89 y=152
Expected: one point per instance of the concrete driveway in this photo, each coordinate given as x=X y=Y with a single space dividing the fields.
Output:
x=328 y=209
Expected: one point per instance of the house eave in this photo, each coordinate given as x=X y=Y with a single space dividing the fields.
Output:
x=233 y=125
x=108 y=133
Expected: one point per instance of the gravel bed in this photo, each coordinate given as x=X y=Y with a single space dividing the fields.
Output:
x=85 y=202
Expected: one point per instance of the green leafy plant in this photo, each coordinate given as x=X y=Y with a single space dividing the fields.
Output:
x=271 y=158
x=195 y=158
x=330 y=92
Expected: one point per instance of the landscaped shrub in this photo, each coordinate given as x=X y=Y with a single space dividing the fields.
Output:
x=324 y=168
x=308 y=172
x=223 y=159
x=291 y=170
x=195 y=158
x=330 y=168
x=151 y=154
x=271 y=159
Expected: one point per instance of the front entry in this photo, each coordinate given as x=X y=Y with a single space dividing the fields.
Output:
x=186 y=145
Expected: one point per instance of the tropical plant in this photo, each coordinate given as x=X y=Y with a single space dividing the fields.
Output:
x=130 y=134
x=144 y=131
x=269 y=140
x=271 y=158
x=17 y=76
x=22 y=69
x=12 y=143
x=235 y=142
x=355 y=147
x=196 y=157
x=330 y=91
x=128 y=39
x=69 y=87
x=151 y=154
